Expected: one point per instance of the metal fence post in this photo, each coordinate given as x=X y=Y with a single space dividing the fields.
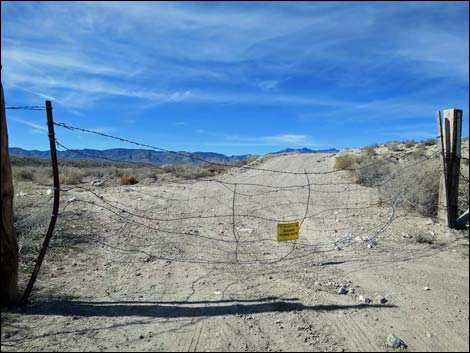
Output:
x=55 y=208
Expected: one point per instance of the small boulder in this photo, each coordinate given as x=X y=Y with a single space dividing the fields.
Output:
x=395 y=342
x=97 y=182
x=381 y=300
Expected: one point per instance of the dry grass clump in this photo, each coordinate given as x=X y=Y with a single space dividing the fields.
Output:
x=392 y=146
x=410 y=143
x=369 y=150
x=418 y=154
x=128 y=180
x=371 y=171
x=464 y=197
x=345 y=161
x=251 y=158
x=425 y=238
x=23 y=173
x=71 y=176
x=413 y=187
x=43 y=176
x=429 y=142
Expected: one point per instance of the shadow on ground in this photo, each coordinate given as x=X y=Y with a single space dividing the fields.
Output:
x=175 y=309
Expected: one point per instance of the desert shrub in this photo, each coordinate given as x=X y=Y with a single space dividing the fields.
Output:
x=409 y=143
x=43 y=176
x=413 y=187
x=429 y=142
x=392 y=146
x=418 y=154
x=424 y=238
x=251 y=158
x=345 y=161
x=371 y=171
x=128 y=180
x=369 y=150
x=71 y=176
x=190 y=171
x=96 y=172
x=23 y=173
x=464 y=197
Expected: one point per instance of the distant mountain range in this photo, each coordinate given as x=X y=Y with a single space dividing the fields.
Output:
x=146 y=156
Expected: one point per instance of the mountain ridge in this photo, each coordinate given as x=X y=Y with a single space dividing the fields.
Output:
x=147 y=156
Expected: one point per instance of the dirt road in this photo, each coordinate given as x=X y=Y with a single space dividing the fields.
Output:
x=196 y=267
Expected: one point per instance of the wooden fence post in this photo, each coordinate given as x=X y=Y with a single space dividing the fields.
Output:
x=8 y=244
x=450 y=133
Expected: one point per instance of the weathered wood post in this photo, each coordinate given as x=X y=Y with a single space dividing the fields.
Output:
x=450 y=132
x=8 y=244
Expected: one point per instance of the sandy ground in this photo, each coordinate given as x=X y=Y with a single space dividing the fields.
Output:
x=190 y=267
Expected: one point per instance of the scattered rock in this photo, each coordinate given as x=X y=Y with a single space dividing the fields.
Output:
x=49 y=192
x=427 y=288
x=380 y=299
x=342 y=290
x=97 y=182
x=395 y=342
x=428 y=335
x=364 y=299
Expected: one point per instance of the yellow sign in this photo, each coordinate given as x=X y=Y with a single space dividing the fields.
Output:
x=288 y=231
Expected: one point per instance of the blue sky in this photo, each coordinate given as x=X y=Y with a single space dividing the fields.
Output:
x=234 y=77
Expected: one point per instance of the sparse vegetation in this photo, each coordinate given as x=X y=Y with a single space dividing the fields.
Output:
x=429 y=142
x=345 y=161
x=418 y=154
x=392 y=146
x=371 y=171
x=424 y=238
x=128 y=180
x=413 y=188
x=409 y=143
x=251 y=158
x=71 y=176
x=23 y=173
x=369 y=150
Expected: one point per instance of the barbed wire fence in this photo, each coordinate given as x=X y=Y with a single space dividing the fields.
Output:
x=232 y=218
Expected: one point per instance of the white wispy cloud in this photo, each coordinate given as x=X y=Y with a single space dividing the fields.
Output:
x=36 y=127
x=283 y=140
x=174 y=53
